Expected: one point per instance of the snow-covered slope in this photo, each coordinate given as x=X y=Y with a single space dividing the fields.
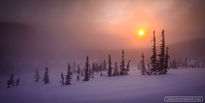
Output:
x=133 y=88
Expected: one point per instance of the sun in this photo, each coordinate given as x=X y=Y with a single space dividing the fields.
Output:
x=141 y=32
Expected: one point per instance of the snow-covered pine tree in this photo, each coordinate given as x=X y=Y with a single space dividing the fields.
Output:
x=68 y=76
x=37 y=76
x=166 y=60
x=186 y=62
x=93 y=66
x=142 y=65
x=122 y=65
x=101 y=70
x=148 y=68
x=46 y=77
x=78 y=73
x=62 y=79
x=89 y=71
x=100 y=66
x=128 y=67
x=109 y=73
x=162 y=55
x=86 y=69
x=104 y=65
x=97 y=67
x=116 y=70
x=153 y=58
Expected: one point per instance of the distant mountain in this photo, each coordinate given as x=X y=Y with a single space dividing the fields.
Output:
x=194 y=49
x=20 y=42
x=24 y=47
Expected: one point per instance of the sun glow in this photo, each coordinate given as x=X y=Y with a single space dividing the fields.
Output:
x=141 y=32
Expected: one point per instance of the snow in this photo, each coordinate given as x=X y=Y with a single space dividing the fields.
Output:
x=134 y=88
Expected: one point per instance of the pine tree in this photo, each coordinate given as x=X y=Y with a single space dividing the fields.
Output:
x=104 y=65
x=86 y=69
x=93 y=66
x=128 y=67
x=89 y=71
x=101 y=70
x=116 y=70
x=162 y=55
x=37 y=76
x=148 y=69
x=68 y=76
x=186 y=62
x=122 y=65
x=109 y=73
x=10 y=81
x=166 y=60
x=153 y=58
x=46 y=78
x=78 y=73
x=96 y=66
x=142 y=66
x=62 y=79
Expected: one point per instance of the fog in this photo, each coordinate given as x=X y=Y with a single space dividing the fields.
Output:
x=65 y=31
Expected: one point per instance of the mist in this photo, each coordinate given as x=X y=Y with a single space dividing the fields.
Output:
x=40 y=32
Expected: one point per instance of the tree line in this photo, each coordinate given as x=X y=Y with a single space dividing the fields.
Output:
x=159 y=64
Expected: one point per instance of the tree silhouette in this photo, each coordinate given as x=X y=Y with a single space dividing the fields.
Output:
x=128 y=67
x=86 y=69
x=104 y=65
x=166 y=60
x=101 y=68
x=78 y=73
x=148 y=68
x=89 y=71
x=162 y=68
x=68 y=76
x=142 y=65
x=109 y=73
x=186 y=62
x=46 y=78
x=62 y=79
x=122 y=65
x=10 y=81
x=153 y=58
x=116 y=70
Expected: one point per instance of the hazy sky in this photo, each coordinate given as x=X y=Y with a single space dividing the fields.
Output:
x=109 y=23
